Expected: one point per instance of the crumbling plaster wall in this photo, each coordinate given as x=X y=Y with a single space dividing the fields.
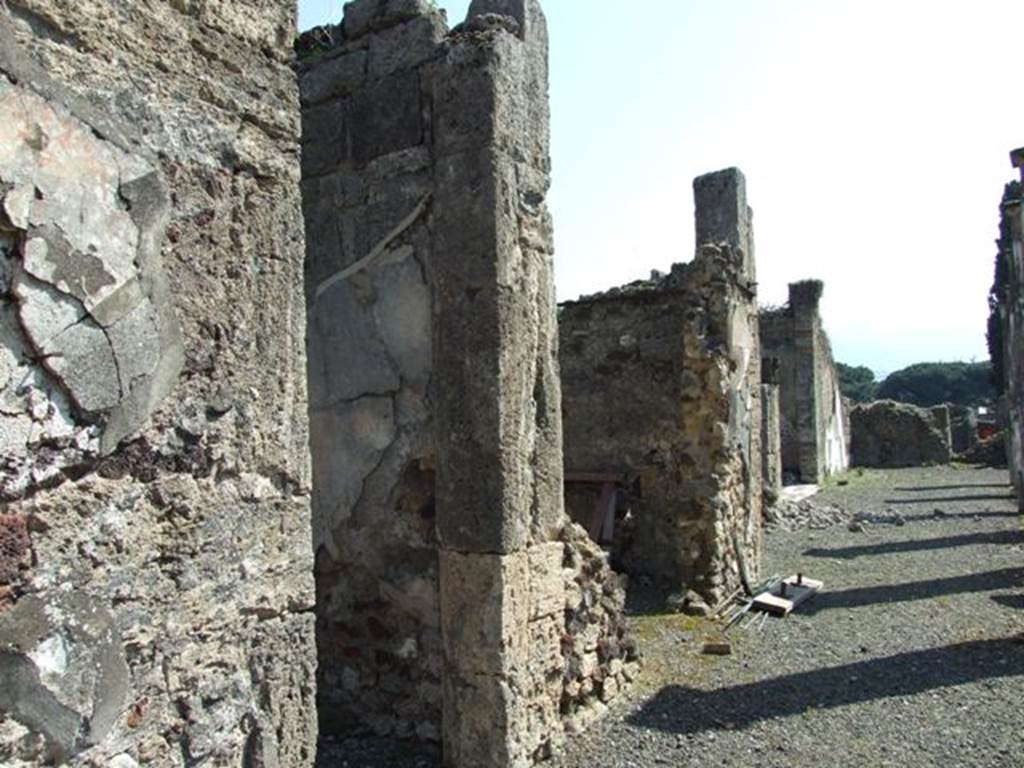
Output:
x=1012 y=310
x=155 y=566
x=813 y=426
x=661 y=380
x=455 y=600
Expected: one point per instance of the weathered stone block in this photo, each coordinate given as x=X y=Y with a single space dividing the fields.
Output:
x=485 y=610
x=364 y=16
x=385 y=118
x=547 y=587
x=406 y=46
x=335 y=77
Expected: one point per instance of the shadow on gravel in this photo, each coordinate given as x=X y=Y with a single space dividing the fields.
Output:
x=954 y=499
x=918 y=545
x=990 y=581
x=910 y=516
x=929 y=488
x=1010 y=601
x=685 y=710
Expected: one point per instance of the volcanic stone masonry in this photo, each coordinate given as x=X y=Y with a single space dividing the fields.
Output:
x=156 y=574
x=890 y=434
x=661 y=385
x=456 y=602
x=814 y=414
x=1012 y=311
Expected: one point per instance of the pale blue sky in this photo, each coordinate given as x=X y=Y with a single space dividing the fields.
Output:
x=874 y=135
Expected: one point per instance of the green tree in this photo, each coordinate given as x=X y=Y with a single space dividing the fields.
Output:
x=928 y=384
x=857 y=382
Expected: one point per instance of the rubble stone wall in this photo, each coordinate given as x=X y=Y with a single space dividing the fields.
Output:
x=1012 y=311
x=155 y=563
x=455 y=599
x=890 y=434
x=815 y=440
x=661 y=381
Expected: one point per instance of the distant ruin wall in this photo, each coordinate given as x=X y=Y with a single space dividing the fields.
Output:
x=661 y=381
x=815 y=440
x=890 y=434
x=455 y=600
x=155 y=567
x=1012 y=312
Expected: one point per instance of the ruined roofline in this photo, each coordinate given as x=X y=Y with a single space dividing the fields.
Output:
x=675 y=282
x=363 y=19
x=1017 y=160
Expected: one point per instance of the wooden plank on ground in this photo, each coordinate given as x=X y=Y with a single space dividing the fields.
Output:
x=781 y=599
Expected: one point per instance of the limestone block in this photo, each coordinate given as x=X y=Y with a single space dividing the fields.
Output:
x=406 y=46
x=485 y=723
x=547 y=585
x=364 y=16
x=337 y=76
x=485 y=609
x=385 y=118
x=325 y=131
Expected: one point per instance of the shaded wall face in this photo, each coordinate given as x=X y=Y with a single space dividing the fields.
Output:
x=367 y=181
x=154 y=505
x=665 y=384
x=814 y=435
x=1013 y=335
x=776 y=333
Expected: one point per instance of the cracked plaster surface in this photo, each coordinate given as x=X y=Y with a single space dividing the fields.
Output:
x=88 y=342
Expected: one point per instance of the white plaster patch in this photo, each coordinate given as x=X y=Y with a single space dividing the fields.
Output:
x=408 y=649
x=51 y=658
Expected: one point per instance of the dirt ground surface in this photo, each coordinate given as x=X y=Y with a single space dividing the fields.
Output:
x=912 y=655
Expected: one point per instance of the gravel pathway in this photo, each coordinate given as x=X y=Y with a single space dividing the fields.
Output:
x=913 y=655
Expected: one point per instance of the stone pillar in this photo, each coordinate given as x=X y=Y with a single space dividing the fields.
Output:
x=723 y=215
x=499 y=473
x=771 y=443
x=804 y=300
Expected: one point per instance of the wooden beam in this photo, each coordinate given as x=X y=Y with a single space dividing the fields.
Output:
x=595 y=478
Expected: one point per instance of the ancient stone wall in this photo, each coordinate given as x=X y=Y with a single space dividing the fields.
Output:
x=815 y=440
x=1012 y=312
x=890 y=434
x=155 y=566
x=456 y=602
x=661 y=382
